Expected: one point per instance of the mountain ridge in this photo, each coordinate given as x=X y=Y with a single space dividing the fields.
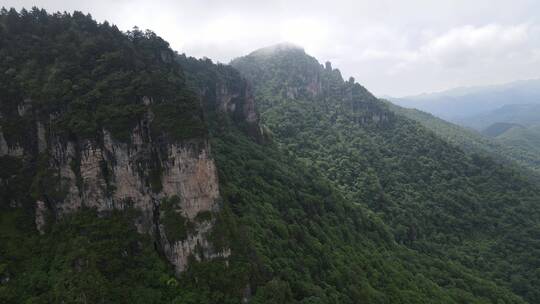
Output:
x=461 y=103
x=367 y=159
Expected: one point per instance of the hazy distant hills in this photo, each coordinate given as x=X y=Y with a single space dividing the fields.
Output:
x=523 y=114
x=464 y=105
x=527 y=138
x=500 y=128
x=524 y=141
x=506 y=142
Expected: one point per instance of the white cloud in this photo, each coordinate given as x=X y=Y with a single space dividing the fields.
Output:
x=469 y=44
x=459 y=56
x=307 y=32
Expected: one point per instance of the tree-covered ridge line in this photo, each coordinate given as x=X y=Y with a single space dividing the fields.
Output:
x=435 y=198
x=69 y=80
x=474 y=142
x=83 y=76
x=313 y=245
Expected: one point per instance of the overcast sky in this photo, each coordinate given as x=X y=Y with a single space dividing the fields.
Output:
x=392 y=47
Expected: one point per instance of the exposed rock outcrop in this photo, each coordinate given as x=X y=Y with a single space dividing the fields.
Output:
x=41 y=216
x=108 y=174
x=5 y=149
x=224 y=90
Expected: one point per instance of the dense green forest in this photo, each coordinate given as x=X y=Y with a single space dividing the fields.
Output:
x=435 y=198
x=82 y=76
x=521 y=148
x=334 y=199
x=92 y=73
x=522 y=138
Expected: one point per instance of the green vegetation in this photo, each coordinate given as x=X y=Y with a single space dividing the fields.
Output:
x=83 y=259
x=86 y=258
x=77 y=77
x=522 y=152
x=176 y=225
x=90 y=76
x=311 y=245
x=203 y=216
x=435 y=199
x=523 y=141
x=499 y=128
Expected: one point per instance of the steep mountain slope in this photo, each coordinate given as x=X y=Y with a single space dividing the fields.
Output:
x=307 y=243
x=104 y=153
x=463 y=103
x=436 y=199
x=474 y=142
x=97 y=146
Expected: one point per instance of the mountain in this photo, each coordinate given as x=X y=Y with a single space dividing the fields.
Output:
x=133 y=174
x=488 y=110
x=472 y=141
x=526 y=140
x=463 y=105
x=108 y=185
x=523 y=114
x=499 y=128
x=439 y=203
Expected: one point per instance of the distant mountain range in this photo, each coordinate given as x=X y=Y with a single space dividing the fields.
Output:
x=472 y=106
x=527 y=138
x=506 y=142
x=500 y=128
x=523 y=114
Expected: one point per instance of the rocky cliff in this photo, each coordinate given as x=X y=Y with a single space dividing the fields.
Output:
x=108 y=174
x=111 y=121
x=223 y=90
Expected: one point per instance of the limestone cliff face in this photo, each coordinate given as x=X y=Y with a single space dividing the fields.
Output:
x=9 y=150
x=224 y=90
x=107 y=174
x=237 y=100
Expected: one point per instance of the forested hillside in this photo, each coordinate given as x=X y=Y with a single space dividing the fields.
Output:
x=519 y=152
x=107 y=192
x=523 y=140
x=435 y=198
x=310 y=244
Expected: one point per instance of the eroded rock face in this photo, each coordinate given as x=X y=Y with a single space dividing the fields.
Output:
x=117 y=175
x=239 y=101
x=5 y=149
x=195 y=245
x=107 y=174
x=41 y=216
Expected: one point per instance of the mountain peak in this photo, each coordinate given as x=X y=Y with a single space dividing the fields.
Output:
x=278 y=48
